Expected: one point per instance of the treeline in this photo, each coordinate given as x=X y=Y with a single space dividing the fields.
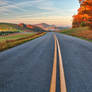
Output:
x=84 y=16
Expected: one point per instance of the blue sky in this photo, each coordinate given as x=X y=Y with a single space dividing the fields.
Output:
x=57 y=12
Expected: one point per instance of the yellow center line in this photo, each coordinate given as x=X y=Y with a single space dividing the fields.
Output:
x=61 y=69
x=54 y=71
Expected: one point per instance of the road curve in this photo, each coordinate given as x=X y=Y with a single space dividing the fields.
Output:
x=28 y=67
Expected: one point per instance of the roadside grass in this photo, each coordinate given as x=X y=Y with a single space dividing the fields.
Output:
x=82 y=33
x=11 y=41
x=15 y=36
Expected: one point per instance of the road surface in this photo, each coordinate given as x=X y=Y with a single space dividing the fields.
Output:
x=28 y=67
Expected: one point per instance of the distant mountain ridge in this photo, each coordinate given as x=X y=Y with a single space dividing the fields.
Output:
x=49 y=27
x=43 y=27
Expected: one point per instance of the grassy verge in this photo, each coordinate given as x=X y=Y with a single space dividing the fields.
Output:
x=82 y=33
x=10 y=42
x=15 y=36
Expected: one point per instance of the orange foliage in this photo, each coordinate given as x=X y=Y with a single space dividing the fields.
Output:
x=30 y=26
x=84 y=14
x=21 y=24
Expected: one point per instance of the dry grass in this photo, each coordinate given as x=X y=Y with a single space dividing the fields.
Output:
x=14 y=42
x=15 y=36
x=85 y=34
x=82 y=32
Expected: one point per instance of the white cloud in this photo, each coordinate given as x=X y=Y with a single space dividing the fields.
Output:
x=3 y=2
x=41 y=4
x=50 y=14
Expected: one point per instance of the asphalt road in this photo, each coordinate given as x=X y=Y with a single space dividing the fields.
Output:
x=28 y=67
x=77 y=60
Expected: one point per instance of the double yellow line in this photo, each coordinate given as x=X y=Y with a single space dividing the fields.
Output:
x=61 y=70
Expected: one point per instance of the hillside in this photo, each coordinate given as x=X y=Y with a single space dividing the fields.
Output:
x=9 y=27
x=19 y=27
x=29 y=27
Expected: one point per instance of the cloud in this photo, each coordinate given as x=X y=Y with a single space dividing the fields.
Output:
x=42 y=4
x=32 y=11
x=8 y=7
x=3 y=2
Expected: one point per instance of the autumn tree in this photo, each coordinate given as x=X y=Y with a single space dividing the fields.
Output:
x=84 y=16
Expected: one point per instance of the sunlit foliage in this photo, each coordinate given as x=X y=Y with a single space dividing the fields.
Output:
x=84 y=16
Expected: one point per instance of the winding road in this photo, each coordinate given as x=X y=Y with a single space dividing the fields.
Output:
x=28 y=67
